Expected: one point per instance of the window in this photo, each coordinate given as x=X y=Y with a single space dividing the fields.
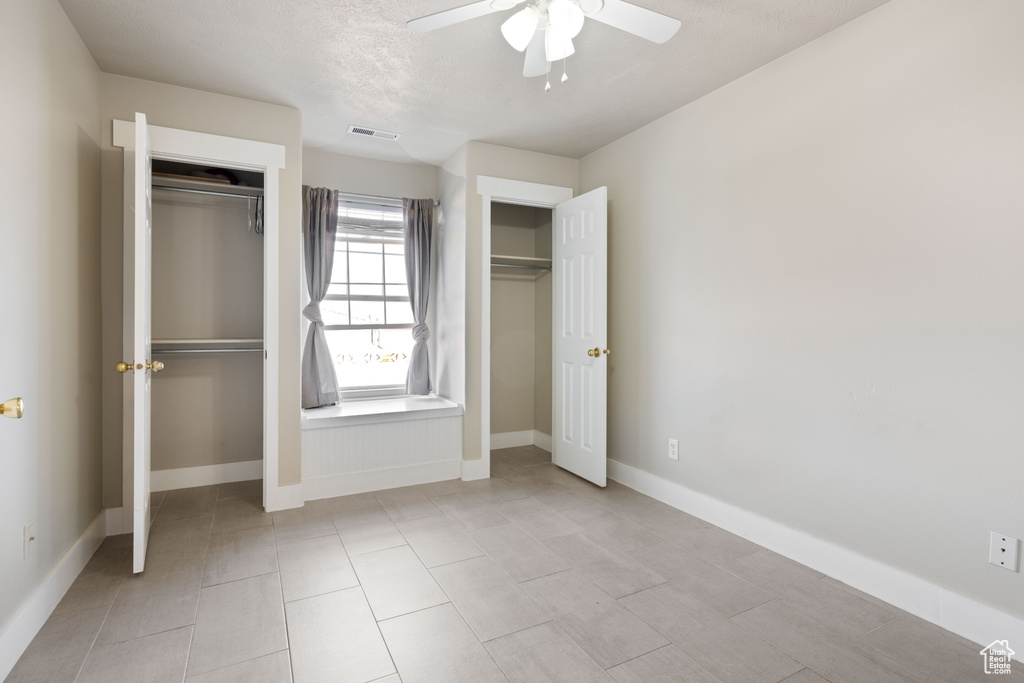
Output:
x=367 y=316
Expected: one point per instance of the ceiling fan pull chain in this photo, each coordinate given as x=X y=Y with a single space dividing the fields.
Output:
x=565 y=76
x=547 y=86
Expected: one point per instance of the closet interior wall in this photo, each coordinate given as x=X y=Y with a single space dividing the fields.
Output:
x=520 y=323
x=207 y=274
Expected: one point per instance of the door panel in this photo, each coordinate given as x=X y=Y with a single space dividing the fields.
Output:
x=138 y=271
x=580 y=310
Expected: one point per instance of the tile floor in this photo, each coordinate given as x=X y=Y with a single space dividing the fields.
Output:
x=534 y=575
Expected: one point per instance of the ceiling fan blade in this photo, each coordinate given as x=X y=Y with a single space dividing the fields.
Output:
x=449 y=17
x=536 y=63
x=653 y=26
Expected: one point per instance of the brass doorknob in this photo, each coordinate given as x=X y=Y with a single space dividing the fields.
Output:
x=594 y=353
x=123 y=367
x=155 y=366
x=607 y=352
x=13 y=408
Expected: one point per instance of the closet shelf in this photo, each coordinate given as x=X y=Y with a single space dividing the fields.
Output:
x=507 y=261
x=221 y=345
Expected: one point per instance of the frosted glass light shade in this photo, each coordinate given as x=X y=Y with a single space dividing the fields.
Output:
x=520 y=27
x=566 y=17
x=557 y=44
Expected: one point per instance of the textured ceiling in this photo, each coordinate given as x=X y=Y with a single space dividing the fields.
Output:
x=344 y=62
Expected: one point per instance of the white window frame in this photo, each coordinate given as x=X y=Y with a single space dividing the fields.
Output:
x=378 y=390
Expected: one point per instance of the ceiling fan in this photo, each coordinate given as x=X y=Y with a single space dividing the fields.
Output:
x=544 y=29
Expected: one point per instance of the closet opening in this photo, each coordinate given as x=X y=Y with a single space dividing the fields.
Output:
x=207 y=323
x=520 y=332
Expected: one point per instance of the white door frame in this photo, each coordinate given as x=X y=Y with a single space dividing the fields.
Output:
x=268 y=159
x=503 y=191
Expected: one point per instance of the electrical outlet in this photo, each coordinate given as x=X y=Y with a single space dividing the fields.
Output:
x=1004 y=551
x=30 y=537
x=673 y=449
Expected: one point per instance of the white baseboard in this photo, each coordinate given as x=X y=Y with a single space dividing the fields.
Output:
x=529 y=437
x=511 y=439
x=471 y=470
x=34 y=612
x=378 y=480
x=952 y=611
x=115 y=521
x=542 y=440
x=205 y=475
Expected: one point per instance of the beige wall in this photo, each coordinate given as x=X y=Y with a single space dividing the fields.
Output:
x=816 y=287
x=513 y=324
x=520 y=323
x=368 y=176
x=50 y=306
x=207 y=284
x=499 y=162
x=174 y=107
x=450 y=299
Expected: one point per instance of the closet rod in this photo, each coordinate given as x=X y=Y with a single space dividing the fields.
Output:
x=231 y=350
x=513 y=265
x=375 y=197
x=189 y=190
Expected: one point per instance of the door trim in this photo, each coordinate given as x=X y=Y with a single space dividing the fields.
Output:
x=503 y=191
x=267 y=158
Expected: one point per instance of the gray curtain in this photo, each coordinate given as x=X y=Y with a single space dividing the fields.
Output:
x=319 y=226
x=419 y=227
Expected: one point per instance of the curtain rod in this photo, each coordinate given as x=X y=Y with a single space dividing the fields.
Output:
x=376 y=198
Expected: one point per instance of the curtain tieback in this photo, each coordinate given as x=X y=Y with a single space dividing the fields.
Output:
x=312 y=313
x=420 y=332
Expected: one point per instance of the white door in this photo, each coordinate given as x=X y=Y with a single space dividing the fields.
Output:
x=580 y=329
x=138 y=344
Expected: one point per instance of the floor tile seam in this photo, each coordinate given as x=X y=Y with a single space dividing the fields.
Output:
x=228 y=666
x=287 y=629
x=199 y=603
x=799 y=656
x=241 y=578
x=147 y=635
x=473 y=630
x=415 y=611
x=318 y=595
x=92 y=645
x=279 y=543
x=156 y=521
x=376 y=550
x=829 y=631
x=683 y=652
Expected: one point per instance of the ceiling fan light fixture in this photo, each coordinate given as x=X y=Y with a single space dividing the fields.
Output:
x=566 y=17
x=557 y=45
x=591 y=6
x=520 y=27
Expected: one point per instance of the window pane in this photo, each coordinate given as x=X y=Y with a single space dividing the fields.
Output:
x=366 y=267
x=367 y=290
x=367 y=313
x=397 y=290
x=395 y=265
x=339 y=273
x=399 y=313
x=340 y=290
x=395 y=248
x=334 y=312
x=367 y=358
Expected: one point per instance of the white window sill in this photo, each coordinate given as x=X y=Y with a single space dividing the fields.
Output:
x=379 y=410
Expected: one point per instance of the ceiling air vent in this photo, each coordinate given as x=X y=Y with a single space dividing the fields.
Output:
x=371 y=133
